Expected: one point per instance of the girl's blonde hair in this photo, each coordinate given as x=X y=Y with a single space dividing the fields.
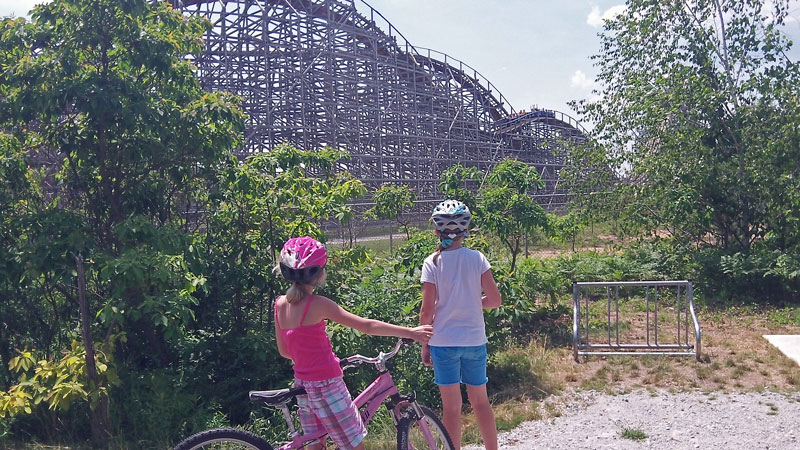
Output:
x=299 y=291
x=439 y=249
x=436 y=253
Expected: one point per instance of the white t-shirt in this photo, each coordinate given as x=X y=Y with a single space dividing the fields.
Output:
x=458 y=315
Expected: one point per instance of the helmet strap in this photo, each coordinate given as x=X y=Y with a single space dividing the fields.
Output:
x=447 y=237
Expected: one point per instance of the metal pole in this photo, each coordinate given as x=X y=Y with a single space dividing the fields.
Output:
x=655 y=315
x=647 y=313
x=616 y=295
x=678 y=313
x=576 y=320
x=587 y=316
x=608 y=317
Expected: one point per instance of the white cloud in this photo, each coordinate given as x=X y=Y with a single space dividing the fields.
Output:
x=581 y=80
x=585 y=85
x=18 y=8
x=793 y=16
x=793 y=12
x=595 y=19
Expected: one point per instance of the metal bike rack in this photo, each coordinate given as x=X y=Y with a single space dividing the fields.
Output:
x=677 y=294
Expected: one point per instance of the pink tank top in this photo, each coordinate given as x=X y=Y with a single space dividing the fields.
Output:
x=310 y=349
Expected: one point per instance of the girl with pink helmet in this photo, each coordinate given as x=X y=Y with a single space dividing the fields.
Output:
x=300 y=319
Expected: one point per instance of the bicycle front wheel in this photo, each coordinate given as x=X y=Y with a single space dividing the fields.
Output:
x=426 y=432
x=224 y=439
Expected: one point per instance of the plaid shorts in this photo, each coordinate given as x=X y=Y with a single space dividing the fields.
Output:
x=327 y=405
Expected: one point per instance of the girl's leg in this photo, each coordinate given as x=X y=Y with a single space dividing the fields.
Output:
x=479 y=400
x=451 y=412
x=315 y=446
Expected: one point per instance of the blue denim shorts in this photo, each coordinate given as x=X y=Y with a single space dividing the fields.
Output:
x=453 y=365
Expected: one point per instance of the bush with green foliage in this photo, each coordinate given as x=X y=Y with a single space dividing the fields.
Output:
x=698 y=119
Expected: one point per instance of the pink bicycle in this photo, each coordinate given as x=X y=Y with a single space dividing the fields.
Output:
x=417 y=426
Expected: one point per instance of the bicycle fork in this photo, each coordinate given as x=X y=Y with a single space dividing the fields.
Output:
x=406 y=406
x=395 y=402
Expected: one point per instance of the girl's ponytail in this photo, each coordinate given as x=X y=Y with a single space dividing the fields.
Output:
x=436 y=253
x=298 y=292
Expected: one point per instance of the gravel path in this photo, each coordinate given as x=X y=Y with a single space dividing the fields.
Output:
x=718 y=421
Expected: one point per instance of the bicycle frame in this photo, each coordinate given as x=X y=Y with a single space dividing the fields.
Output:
x=382 y=391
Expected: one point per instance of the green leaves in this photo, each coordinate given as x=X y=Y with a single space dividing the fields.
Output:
x=565 y=228
x=456 y=182
x=391 y=202
x=698 y=112
x=506 y=205
x=56 y=383
x=100 y=99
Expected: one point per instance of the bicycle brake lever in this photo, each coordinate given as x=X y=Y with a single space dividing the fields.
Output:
x=347 y=363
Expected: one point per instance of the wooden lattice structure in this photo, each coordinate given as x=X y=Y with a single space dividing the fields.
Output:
x=336 y=73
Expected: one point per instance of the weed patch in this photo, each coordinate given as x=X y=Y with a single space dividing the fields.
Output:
x=633 y=434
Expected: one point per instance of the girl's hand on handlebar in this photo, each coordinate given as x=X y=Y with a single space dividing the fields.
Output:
x=422 y=333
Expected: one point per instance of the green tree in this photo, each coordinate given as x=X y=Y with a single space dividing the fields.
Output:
x=565 y=228
x=393 y=202
x=507 y=207
x=255 y=207
x=589 y=177
x=456 y=184
x=19 y=199
x=100 y=94
x=700 y=107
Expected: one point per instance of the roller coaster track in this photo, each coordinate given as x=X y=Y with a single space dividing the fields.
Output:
x=338 y=73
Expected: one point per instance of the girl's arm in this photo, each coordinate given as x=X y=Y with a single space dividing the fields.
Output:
x=491 y=298
x=336 y=313
x=428 y=304
x=282 y=349
x=426 y=316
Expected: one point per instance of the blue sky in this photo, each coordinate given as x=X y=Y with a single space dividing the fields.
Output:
x=536 y=52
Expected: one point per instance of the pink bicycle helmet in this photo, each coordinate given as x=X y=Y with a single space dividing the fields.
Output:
x=302 y=259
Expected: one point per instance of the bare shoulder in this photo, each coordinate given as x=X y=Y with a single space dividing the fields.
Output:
x=329 y=309
x=324 y=304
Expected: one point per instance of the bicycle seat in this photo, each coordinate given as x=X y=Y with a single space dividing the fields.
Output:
x=276 y=397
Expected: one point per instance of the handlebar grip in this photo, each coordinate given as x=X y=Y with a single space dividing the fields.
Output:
x=407 y=341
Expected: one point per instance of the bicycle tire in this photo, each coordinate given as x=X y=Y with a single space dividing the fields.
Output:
x=224 y=438
x=411 y=436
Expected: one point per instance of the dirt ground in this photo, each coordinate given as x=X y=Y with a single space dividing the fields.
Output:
x=734 y=356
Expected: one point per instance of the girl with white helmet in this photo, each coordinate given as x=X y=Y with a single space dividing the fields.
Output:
x=457 y=285
x=300 y=319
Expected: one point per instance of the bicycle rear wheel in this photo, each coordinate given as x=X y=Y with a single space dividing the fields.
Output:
x=426 y=432
x=224 y=439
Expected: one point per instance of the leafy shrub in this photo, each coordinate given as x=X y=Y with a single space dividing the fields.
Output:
x=763 y=274
x=153 y=408
x=393 y=297
x=409 y=256
x=541 y=278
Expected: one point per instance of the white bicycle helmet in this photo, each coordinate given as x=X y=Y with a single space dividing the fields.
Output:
x=451 y=215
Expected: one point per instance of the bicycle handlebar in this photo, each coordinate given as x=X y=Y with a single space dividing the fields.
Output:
x=378 y=361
